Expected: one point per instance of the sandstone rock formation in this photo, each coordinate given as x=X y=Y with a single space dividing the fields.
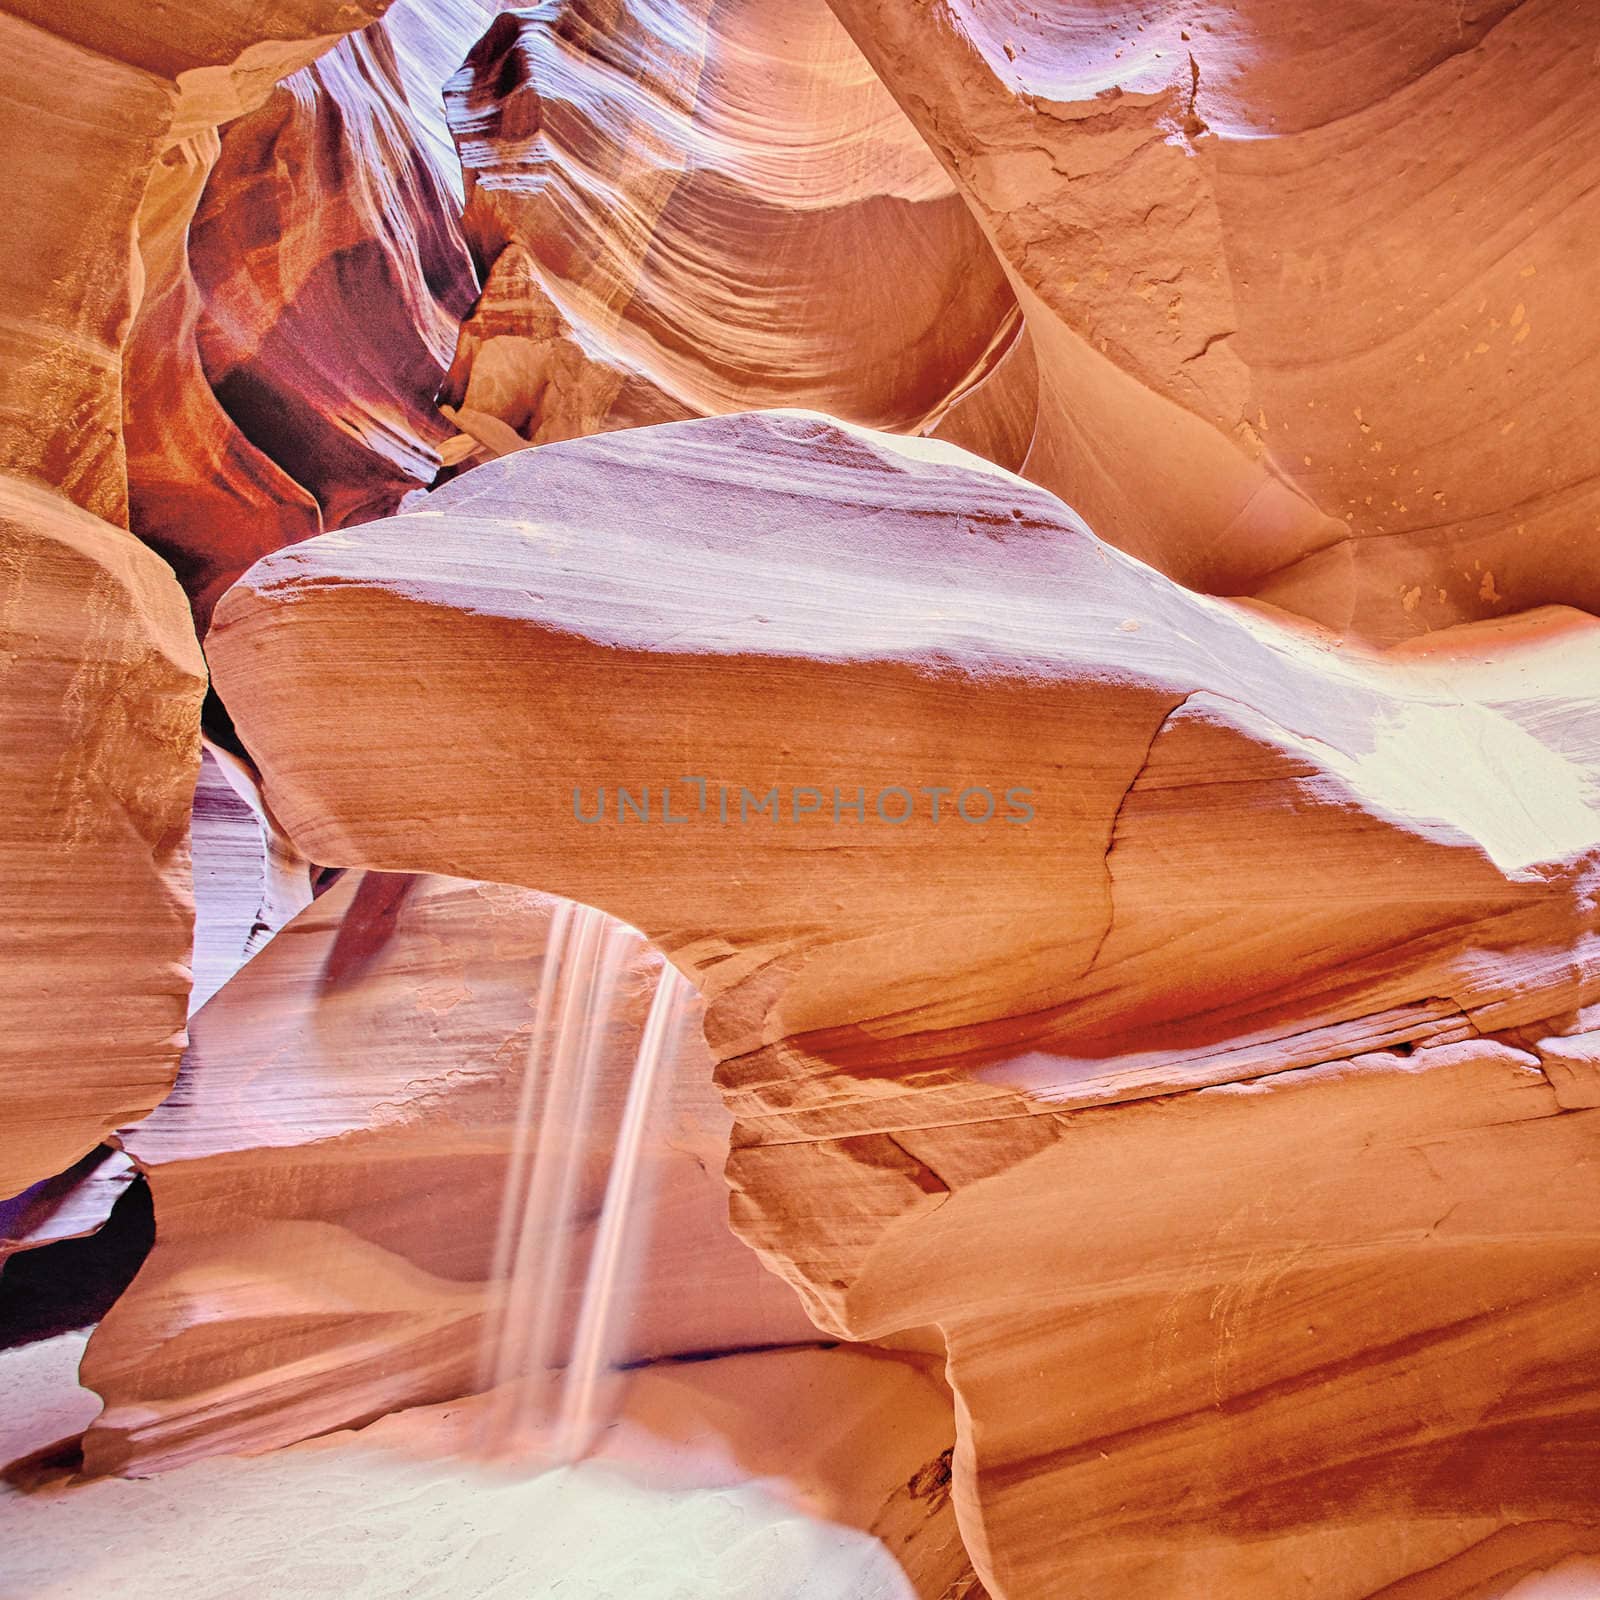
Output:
x=701 y=206
x=229 y=880
x=68 y=1206
x=95 y=99
x=46 y=1407
x=1154 y=970
x=99 y=742
x=333 y=273
x=248 y=879
x=199 y=492
x=1308 y=284
x=104 y=116
x=336 y=189
x=328 y=1178
x=1196 y=1121
x=114 y=137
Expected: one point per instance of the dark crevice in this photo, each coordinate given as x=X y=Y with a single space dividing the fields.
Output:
x=73 y=1283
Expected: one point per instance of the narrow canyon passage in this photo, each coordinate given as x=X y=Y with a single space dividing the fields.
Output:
x=800 y=800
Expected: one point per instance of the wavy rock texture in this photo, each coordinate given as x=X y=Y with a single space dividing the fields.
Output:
x=1227 y=1123
x=200 y=493
x=83 y=132
x=699 y=207
x=333 y=273
x=96 y=96
x=336 y=189
x=248 y=879
x=229 y=850
x=1330 y=260
x=105 y=110
x=328 y=1177
x=99 y=744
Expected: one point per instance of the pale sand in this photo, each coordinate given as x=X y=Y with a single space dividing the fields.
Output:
x=749 y=1477
x=733 y=1479
x=40 y=1402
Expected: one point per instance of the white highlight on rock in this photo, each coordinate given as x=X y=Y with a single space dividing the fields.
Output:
x=551 y=1390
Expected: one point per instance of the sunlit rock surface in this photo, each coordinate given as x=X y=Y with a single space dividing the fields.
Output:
x=105 y=111
x=1310 y=286
x=305 y=274
x=1221 y=1148
x=1213 y=1076
x=702 y=206
x=97 y=96
x=112 y=131
x=328 y=1178
x=100 y=686
x=70 y=1205
x=233 y=910
x=333 y=273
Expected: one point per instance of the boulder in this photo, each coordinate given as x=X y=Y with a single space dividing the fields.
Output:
x=1176 y=1068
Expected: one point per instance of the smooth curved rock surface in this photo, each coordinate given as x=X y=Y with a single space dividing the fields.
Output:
x=329 y=1171
x=1308 y=286
x=329 y=258
x=71 y=1205
x=100 y=688
x=96 y=96
x=84 y=132
x=699 y=206
x=109 y=116
x=1227 y=1120
x=199 y=492
x=229 y=851
x=256 y=408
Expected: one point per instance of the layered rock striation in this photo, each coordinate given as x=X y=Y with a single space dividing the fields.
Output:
x=704 y=206
x=1307 y=286
x=105 y=115
x=1192 y=1082
x=1154 y=966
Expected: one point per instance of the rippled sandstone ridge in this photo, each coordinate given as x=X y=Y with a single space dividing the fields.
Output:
x=1173 y=423
x=1206 y=1115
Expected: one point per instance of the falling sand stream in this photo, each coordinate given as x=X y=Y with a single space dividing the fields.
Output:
x=550 y=1389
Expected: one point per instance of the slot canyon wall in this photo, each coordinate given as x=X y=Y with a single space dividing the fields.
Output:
x=1076 y=530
